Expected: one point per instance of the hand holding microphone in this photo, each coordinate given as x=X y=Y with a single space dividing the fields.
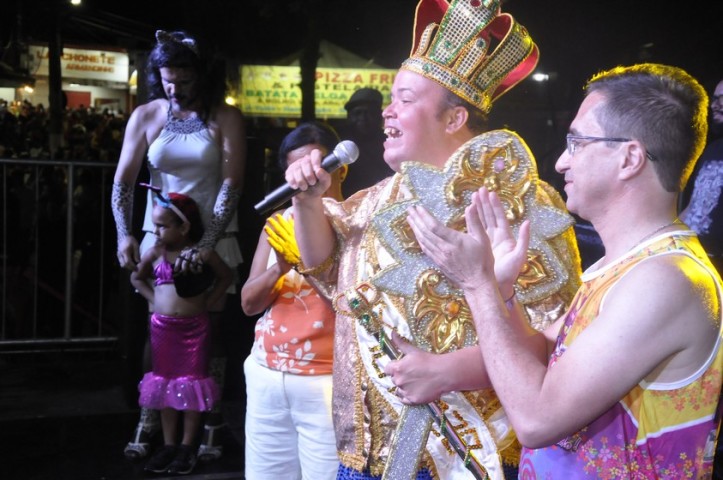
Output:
x=344 y=153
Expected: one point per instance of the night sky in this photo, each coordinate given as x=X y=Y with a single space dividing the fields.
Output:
x=576 y=38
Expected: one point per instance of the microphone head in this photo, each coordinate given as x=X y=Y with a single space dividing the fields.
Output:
x=347 y=152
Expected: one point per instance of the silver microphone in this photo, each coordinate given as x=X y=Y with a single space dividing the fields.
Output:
x=344 y=153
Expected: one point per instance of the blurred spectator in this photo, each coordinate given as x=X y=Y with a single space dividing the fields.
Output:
x=704 y=212
x=364 y=127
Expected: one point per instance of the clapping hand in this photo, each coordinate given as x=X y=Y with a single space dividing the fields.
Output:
x=487 y=252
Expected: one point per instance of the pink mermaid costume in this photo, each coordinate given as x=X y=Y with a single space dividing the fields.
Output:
x=181 y=352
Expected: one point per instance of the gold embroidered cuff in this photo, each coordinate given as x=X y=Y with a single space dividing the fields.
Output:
x=322 y=267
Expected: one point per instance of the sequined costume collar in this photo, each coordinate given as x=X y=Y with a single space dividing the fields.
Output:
x=192 y=124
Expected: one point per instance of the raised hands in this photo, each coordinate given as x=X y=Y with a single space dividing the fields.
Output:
x=487 y=252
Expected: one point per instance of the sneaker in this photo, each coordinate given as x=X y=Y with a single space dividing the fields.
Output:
x=162 y=459
x=184 y=461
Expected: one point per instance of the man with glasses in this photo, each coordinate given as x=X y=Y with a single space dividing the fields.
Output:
x=630 y=377
x=704 y=212
x=576 y=141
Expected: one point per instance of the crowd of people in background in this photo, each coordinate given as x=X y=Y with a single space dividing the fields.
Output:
x=37 y=207
x=87 y=132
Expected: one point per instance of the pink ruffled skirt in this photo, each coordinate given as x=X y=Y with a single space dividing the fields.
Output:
x=181 y=354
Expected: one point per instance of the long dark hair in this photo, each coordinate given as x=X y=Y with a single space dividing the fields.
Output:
x=307 y=133
x=179 y=49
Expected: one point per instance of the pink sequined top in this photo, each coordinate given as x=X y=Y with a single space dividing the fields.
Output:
x=163 y=272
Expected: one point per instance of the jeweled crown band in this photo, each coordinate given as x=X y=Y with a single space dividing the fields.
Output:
x=459 y=54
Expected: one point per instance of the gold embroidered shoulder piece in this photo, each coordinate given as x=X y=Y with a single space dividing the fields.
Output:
x=438 y=315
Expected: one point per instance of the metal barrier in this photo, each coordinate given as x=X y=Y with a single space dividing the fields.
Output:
x=58 y=256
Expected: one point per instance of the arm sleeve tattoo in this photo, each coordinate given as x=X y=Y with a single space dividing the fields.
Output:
x=122 y=205
x=223 y=212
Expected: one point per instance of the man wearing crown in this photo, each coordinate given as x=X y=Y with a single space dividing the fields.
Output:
x=398 y=317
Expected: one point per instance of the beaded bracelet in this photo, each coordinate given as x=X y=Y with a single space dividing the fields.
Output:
x=322 y=267
x=510 y=302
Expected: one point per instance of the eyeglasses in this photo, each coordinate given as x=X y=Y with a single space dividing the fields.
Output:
x=575 y=141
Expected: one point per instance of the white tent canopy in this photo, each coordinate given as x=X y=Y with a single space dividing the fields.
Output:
x=331 y=56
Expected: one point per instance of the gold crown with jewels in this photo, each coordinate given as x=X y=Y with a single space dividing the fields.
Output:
x=471 y=48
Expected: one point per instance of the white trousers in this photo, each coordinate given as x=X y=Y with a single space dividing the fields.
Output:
x=289 y=428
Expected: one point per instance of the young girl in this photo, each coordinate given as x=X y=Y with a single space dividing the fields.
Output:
x=179 y=330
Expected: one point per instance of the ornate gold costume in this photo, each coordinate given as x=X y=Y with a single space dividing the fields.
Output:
x=383 y=281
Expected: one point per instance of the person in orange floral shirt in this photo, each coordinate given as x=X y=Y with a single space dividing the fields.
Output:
x=289 y=428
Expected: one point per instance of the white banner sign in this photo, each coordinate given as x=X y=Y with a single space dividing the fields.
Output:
x=80 y=63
